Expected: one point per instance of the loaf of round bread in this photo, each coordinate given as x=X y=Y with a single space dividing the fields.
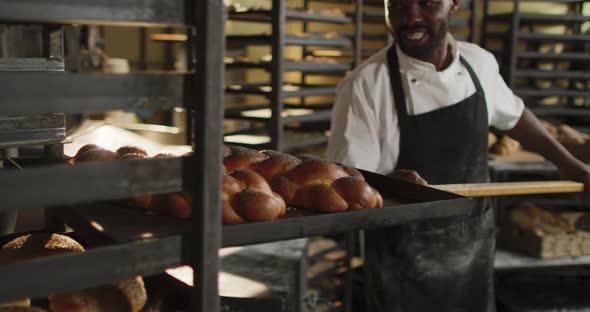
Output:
x=38 y=245
x=92 y=152
x=131 y=149
x=126 y=295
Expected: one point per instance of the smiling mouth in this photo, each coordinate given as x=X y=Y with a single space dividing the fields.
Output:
x=415 y=36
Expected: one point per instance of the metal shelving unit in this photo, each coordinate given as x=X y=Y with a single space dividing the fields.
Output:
x=525 y=48
x=62 y=184
x=277 y=118
x=564 y=55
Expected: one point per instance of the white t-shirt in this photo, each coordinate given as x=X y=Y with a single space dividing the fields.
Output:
x=365 y=131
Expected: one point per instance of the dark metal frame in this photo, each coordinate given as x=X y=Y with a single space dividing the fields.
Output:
x=511 y=56
x=278 y=17
x=28 y=92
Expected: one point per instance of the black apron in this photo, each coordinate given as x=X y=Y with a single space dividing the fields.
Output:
x=440 y=264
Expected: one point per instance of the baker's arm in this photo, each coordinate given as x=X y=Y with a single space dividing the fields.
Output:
x=534 y=137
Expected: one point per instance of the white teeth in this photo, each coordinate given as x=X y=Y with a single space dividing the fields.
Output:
x=415 y=35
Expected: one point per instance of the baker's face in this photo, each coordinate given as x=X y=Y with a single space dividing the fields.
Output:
x=420 y=26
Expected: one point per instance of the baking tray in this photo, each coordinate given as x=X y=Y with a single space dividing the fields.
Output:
x=404 y=202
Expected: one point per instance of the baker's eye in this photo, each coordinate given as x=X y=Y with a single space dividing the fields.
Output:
x=432 y=4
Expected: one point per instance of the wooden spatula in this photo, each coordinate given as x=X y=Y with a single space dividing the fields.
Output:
x=512 y=188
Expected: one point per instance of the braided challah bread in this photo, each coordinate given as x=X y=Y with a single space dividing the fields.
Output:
x=308 y=183
x=247 y=197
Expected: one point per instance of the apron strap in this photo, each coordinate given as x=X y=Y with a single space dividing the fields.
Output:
x=396 y=83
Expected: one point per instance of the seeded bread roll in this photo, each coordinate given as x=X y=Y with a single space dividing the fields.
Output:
x=123 y=296
x=127 y=295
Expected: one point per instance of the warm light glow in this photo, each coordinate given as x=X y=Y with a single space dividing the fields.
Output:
x=267 y=112
x=97 y=226
x=169 y=37
x=247 y=139
x=230 y=285
x=146 y=235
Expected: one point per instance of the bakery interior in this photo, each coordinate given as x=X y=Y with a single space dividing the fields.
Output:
x=111 y=124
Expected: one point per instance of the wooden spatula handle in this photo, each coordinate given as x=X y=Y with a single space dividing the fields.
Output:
x=512 y=188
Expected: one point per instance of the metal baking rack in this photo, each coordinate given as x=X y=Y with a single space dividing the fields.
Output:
x=60 y=185
x=273 y=126
x=403 y=202
x=525 y=48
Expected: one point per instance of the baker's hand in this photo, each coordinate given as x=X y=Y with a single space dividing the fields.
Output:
x=408 y=175
x=577 y=171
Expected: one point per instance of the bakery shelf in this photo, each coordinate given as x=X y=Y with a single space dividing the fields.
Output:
x=404 y=202
x=542 y=37
x=542 y=18
x=550 y=92
x=243 y=40
x=323 y=52
x=564 y=56
x=289 y=115
x=32 y=64
x=120 y=261
x=240 y=109
x=264 y=16
x=236 y=110
x=17 y=131
x=506 y=260
x=257 y=138
x=302 y=66
x=554 y=37
x=552 y=74
x=127 y=12
x=62 y=184
x=65 y=184
x=507 y=167
x=379 y=3
x=88 y=92
x=560 y=111
x=288 y=91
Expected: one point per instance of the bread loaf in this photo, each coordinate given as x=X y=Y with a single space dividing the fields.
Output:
x=123 y=296
x=91 y=152
x=506 y=146
x=247 y=197
x=131 y=149
x=310 y=182
x=126 y=295
x=532 y=218
x=320 y=185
